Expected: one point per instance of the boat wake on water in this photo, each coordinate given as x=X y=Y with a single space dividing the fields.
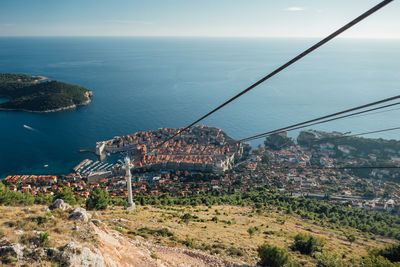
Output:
x=30 y=128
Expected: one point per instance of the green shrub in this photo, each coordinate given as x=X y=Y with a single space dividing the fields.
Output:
x=118 y=201
x=44 y=239
x=327 y=259
x=9 y=197
x=154 y=256
x=391 y=253
x=40 y=241
x=377 y=261
x=39 y=220
x=189 y=242
x=307 y=244
x=351 y=238
x=252 y=230
x=186 y=217
x=157 y=232
x=272 y=256
x=44 y=199
x=98 y=200
x=269 y=232
x=232 y=251
x=218 y=245
x=67 y=195
x=119 y=229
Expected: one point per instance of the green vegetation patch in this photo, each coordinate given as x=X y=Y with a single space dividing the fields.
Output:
x=145 y=231
x=35 y=94
x=321 y=212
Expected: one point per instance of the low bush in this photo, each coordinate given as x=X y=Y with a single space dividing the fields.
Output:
x=307 y=244
x=98 y=200
x=157 y=232
x=232 y=251
x=272 y=256
x=391 y=253
x=327 y=259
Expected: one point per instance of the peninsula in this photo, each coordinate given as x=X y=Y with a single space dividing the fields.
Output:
x=40 y=94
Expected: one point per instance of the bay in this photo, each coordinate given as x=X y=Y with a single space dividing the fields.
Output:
x=148 y=83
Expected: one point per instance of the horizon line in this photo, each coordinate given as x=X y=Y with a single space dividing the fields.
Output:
x=199 y=36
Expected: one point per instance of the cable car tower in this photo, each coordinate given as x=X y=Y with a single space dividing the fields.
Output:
x=128 y=165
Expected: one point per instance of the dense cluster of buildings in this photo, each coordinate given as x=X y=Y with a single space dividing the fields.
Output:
x=31 y=183
x=300 y=171
x=201 y=161
x=200 y=148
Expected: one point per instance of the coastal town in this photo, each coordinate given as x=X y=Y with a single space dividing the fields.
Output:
x=206 y=160
x=200 y=148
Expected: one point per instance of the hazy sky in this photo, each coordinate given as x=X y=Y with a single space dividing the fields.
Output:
x=215 y=18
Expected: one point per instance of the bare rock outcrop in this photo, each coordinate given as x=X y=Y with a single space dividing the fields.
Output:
x=80 y=214
x=60 y=204
x=13 y=250
x=75 y=255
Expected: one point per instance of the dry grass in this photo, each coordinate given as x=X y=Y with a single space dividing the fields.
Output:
x=230 y=233
x=228 y=237
x=18 y=223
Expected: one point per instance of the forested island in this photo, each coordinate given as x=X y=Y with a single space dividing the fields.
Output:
x=39 y=94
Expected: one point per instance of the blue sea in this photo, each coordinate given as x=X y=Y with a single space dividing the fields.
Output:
x=147 y=83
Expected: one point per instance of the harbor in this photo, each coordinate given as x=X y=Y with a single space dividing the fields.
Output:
x=87 y=166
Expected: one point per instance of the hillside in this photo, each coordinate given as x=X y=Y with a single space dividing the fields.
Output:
x=173 y=235
x=37 y=94
x=348 y=150
x=40 y=237
x=340 y=145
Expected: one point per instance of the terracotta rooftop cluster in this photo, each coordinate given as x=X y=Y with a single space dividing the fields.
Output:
x=199 y=145
x=30 y=178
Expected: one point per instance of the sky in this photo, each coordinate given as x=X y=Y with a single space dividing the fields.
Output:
x=201 y=18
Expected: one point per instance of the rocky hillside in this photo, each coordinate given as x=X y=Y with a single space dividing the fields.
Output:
x=67 y=236
x=225 y=235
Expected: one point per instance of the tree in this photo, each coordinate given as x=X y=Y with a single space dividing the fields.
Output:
x=98 y=200
x=187 y=217
x=272 y=256
x=265 y=158
x=66 y=194
x=118 y=201
x=44 y=199
x=307 y=244
x=252 y=230
x=391 y=253
x=376 y=261
x=351 y=238
x=9 y=197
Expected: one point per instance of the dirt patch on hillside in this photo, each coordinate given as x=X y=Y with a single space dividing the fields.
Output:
x=119 y=250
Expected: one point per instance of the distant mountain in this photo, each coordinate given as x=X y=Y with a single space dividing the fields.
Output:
x=39 y=94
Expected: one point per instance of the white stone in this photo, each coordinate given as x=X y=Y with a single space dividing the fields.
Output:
x=60 y=204
x=80 y=214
